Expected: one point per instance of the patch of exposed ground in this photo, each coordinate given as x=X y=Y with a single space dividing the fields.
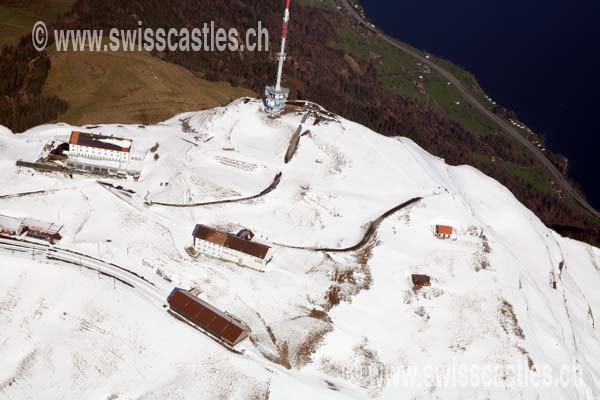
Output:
x=21 y=372
x=349 y=279
x=280 y=355
x=509 y=321
x=510 y=325
x=364 y=369
x=480 y=257
x=303 y=353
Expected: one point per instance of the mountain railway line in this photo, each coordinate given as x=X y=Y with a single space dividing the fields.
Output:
x=126 y=277
x=53 y=253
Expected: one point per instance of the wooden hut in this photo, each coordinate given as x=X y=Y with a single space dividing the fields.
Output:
x=48 y=231
x=419 y=281
x=443 y=231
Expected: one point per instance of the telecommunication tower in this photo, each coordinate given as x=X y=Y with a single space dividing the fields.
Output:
x=276 y=96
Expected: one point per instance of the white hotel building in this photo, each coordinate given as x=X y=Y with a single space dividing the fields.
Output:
x=238 y=249
x=102 y=154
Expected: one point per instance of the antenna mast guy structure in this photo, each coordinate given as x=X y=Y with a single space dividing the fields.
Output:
x=276 y=96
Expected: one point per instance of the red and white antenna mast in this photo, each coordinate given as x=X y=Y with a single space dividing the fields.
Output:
x=282 y=55
x=276 y=96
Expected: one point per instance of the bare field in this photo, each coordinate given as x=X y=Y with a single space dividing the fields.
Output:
x=130 y=87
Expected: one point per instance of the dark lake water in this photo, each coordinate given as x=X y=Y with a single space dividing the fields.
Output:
x=538 y=58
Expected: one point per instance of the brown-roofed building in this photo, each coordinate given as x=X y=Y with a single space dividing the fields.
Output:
x=48 y=231
x=443 y=231
x=33 y=228
x=228 y=247
x=222 y=326
x=419 y=281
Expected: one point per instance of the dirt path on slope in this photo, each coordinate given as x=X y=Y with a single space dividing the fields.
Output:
x=269 y=189
x=24 y=194
x=293 y=146
x=368 y=235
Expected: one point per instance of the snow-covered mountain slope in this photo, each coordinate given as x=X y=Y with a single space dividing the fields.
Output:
x=507 y=293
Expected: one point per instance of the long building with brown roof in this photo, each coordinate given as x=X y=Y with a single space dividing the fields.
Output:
x=228 y=247
x=222 y=326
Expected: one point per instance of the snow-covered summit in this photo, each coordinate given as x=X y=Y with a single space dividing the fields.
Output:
x=350 y=216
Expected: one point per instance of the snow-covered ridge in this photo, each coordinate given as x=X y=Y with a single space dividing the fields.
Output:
x=507 y=291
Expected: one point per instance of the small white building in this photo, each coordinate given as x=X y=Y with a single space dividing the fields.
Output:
x=232 y=248
x=10 y=225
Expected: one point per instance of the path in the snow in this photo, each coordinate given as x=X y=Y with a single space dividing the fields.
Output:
x=368 y=235
x=266 y=191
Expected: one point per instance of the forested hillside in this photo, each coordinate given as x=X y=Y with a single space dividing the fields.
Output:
x=24 y=71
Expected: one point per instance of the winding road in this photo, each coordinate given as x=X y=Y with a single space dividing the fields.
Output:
x=506 y=127
x=367 y=236
x=267 y=190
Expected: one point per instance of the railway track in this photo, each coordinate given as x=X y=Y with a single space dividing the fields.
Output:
x=144 y=287
x=65 y=256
